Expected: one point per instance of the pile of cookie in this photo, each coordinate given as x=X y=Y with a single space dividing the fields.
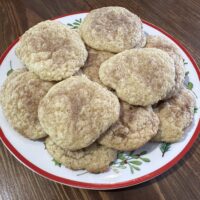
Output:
x=92 y=92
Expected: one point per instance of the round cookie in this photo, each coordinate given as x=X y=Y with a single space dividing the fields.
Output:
x=135 y=127
x=139 y=76
x=165 y=45
x=92 y=65
x=9 y=78
x=175 y=115
x=113 y=29
x=20 y=97
x=76 y=111
x=52 y=50
x=95 y=158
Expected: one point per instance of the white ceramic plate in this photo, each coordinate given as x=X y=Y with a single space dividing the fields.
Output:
x=139 y=166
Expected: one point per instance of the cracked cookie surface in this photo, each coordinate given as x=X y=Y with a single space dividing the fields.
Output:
x=76 y=111
x=175 y=115
x=20 y=97
x=52 y=50
x=166 y=45
x=112 y=29
x=139 y=76
x=135 y=127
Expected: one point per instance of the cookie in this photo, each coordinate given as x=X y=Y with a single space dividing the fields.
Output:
x=112 y=29
x=9 y=79
x=135 y=127
x=52 y=50
x=91 y=67
x=166 y=45
x=76 y=111
x=20 y=97
x=139 y=76
x=175 y=115
x=95 y=158
x=142 y=42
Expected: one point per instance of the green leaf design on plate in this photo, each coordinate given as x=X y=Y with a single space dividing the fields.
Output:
x=195 y=110
x=75 y=24
x=164 y=148
x=184 y=62
x=145 y=159
x=136 y=162
x=129 y=159
x=121 y=156
x=136 y=168
x=187 y=73
x=57 y=163
x=10 y=70
x=143 y=153
x=78 y=20
x=131 y=168
x=134 y=156
x=190 y=85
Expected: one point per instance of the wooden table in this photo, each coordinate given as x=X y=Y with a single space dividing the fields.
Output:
x=181 y=18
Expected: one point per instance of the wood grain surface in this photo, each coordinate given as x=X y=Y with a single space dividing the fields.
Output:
x=181 y=18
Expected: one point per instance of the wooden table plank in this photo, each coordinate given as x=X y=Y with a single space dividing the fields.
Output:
x=179 y=18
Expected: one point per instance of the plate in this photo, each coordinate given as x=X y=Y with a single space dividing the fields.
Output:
x=144 y=164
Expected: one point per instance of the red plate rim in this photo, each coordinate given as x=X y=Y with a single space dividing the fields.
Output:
x=94 y=186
